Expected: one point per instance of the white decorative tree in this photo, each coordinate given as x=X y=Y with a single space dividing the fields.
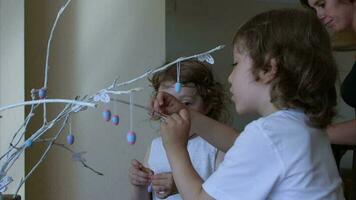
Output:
x=39 y=98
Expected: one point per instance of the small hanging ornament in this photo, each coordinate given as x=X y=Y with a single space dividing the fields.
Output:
x=115 y=120
x=106 y=114
x=131 y=135
x=178 y=85
x=149 y=188
x=42 y=93
x=70 y=136
x=70 y=139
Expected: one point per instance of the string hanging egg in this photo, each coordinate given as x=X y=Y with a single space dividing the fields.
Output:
x=70 y=139
x=131 y=137
x=178 y=87
x=42 y=93
x=115 y=120
x=106 y=114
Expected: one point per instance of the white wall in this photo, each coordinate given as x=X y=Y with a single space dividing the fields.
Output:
x=11 y=78
x=95 y=42
x=197 y=25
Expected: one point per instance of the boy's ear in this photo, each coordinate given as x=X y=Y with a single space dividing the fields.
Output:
x=267 y=76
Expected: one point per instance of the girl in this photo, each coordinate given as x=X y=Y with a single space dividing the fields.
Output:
x=200 y=92
x=284 y=71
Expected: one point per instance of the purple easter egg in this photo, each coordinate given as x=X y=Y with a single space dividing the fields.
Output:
x=42 y=93
x=131 y=137
x=106 y=115
x=70 y=139
x=115 y=120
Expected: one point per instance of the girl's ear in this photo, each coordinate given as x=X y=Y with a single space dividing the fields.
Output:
x=267 y=76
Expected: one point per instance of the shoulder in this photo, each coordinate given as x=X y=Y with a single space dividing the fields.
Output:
x=285 y=124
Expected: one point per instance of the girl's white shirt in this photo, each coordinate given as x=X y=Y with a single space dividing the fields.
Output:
x=203 y=155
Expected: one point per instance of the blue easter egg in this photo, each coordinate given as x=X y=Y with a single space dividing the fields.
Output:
x=106 y=115
x=131 y=137
x=149 y=188
x=42 y=93
x=115 y=120
x=28 y=143
x=70 y=139
x=178 y=87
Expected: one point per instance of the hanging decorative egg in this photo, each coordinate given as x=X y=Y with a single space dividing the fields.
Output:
x=28 y=143
x=42 y=93
x=149 y=188
x=70 y=139
x=115 y=120
x=178 y=87
x=131 y=137
x=106 y=115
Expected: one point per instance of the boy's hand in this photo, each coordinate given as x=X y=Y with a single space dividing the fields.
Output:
x=163 y=185
x=166 y=104
x=139 y=175
x=175 y=130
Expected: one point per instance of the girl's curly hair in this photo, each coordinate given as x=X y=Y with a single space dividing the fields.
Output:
x=198 y=73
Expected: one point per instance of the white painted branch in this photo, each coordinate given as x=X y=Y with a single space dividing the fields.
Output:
x=81 y=103
x=149 y=72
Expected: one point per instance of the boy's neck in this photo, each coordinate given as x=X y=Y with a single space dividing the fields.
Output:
x=268 y=110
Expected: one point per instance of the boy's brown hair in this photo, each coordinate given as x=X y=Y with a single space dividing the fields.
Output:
x=306 y=71
x=196 y=72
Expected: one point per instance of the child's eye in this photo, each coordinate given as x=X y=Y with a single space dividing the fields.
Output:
x=234 y=64
x=320 y=4
x=187 y=103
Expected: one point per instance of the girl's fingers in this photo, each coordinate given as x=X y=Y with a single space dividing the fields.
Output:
x=159 y=182
x=138 y=180
x=135 y=163
x=164 y=175
x=140 y=174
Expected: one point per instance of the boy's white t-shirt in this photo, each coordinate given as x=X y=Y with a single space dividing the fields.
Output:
x=278 y=157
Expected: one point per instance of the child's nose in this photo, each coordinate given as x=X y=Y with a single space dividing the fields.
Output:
x=321 y=14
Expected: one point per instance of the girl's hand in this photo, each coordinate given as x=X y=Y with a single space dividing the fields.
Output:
x=163 y=185
x=139 y=175
x=175 y=130
x=166 y=104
